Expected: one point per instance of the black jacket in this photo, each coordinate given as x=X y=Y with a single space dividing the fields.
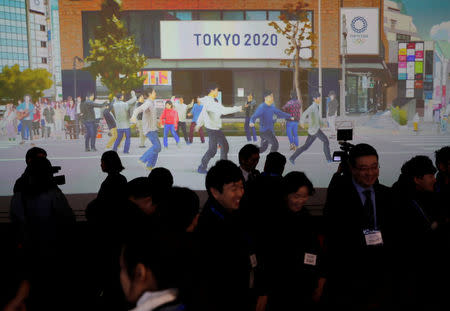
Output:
x=223 y=250
x=87 y=109
x=357 y=272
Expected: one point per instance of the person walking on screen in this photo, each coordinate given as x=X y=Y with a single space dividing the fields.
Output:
x=121 y=109
x=181 y=108
x=195 y=113
x=333 y=106
x=211 y=118
x=169 y=118
x=314 y=131
x=249 y=109
x=150 y=128
x=294 y=108
x=265 y=112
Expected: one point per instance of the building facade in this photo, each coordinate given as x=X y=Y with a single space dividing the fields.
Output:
x=172 y=70
x=13 y=34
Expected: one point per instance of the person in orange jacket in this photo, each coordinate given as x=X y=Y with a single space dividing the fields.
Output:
x=169 y=118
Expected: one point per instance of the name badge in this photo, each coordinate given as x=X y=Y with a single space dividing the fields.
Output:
x=310 y=259
x=373 y=237
x=253 y=260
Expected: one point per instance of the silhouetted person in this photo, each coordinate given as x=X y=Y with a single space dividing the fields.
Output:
x=44 y=225
x=422 y=242
x=226 y=259
x=32 y=153
x=248 y=160
x=358 y=238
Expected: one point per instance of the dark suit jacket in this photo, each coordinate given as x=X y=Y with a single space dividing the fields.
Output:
x=352 y=266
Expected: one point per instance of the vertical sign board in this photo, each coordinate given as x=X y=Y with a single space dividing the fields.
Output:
x=363 y=30
x=37 y=6
x=411 y=68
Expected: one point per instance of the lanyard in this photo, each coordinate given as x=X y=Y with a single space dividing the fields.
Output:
x=417 y=206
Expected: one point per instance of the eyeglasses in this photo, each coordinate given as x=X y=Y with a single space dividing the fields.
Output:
x=366 y=169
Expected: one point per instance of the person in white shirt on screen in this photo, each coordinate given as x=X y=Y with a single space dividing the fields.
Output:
x=211 y=118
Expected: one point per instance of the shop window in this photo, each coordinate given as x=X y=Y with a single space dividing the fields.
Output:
x=42 y=27
x=209 y=15
x=43 y=44
x=256 y=15
x=233 y=15
x=274 y=15
x=44 y=60
x=178 y=15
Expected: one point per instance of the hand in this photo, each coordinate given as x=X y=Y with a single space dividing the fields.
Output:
x=291 y=118
x=133 y=94
x=197 y=128
x=242 y=108
x=189 y=114
x=133 y=120
x=251 y=124
x=246 y=105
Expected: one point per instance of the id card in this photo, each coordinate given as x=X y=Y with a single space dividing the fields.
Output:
x=373 y=237
x=310 y=259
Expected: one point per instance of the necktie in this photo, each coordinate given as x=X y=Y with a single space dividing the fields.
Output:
x=368 y=208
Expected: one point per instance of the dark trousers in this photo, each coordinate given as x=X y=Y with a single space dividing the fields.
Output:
x=200 y=133
x=182 y=126
x=249 y=131
x=215 y=137
x=311 y=138
x=90 y=135
x=268 y=137
x=26 y=127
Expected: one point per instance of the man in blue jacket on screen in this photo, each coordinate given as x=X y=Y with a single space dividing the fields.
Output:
x=265 y=113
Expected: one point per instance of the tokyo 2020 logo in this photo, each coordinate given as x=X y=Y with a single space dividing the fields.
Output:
x=359 y=24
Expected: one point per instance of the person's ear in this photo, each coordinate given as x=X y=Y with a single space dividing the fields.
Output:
x=140 y=273
x=417 y=180
x=216 y=193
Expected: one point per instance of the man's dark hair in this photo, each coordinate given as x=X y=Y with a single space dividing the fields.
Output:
x=139 y=188
x=275 y=163
x=211 y=86
x=294 y=181
x=418 y=166
x=178 y=209
x=315 y=94
x=442 y=156
x=90 y=93
x=332 y=93
x=361 y=150
x=161 y=177
x=119 y=95
x=33 y=153
x=169 y=102
x=161 y=253
x=247 y=151
x=112 y=162
x=267 y=93
x=224 y=172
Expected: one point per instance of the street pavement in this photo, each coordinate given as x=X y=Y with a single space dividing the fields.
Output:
x=83 y=173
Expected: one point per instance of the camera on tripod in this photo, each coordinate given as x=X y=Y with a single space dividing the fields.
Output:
x=343 y=135
x=60 y=179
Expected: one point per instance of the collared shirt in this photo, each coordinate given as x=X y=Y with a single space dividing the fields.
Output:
x=151 y=300
x=361 y=194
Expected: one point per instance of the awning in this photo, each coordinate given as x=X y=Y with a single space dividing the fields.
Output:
x=374 y=64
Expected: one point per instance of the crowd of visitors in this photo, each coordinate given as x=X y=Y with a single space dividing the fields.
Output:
x=149 y=245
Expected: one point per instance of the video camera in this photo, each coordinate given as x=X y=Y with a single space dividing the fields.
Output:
x=60 y=179
x=343 y=135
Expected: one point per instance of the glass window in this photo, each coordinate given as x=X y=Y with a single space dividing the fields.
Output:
x=274 y=15
x=209 y=15
x=183 y=15
x=255 y=15
x=233 y=15
x=42 y=27
x=43 y=44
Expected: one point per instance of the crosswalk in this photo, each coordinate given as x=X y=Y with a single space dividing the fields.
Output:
x=425 y=143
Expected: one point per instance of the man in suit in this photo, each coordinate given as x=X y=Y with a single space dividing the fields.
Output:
x=358 y=236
